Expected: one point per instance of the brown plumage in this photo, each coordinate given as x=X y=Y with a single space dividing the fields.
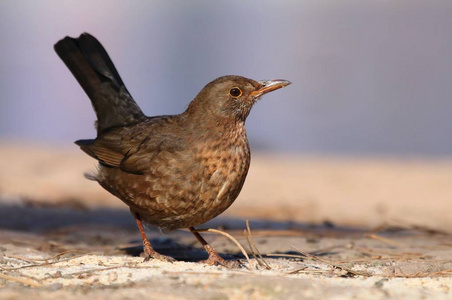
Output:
x=172 y=171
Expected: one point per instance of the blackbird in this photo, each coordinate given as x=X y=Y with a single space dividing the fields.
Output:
x=174 y=171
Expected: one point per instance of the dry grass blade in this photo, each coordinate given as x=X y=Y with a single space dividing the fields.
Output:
x=236 y=272
x=47 y=263
x=409 y=225
x=445 y=273
x=249 y=238
x=245 y=233
x=308 y=271
x=430 y=230
x=384 y=240
x=328 y=249
x=25 y=281
x=441 y=273
x=285 y=255
x=232 y=239
x=35 y=261
x=93 y=271
x=333 y=265
x=31 y=261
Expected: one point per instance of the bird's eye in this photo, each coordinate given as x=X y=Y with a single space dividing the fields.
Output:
x=235 y=92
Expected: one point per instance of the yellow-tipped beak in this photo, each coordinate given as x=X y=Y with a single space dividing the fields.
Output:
x=269 y=86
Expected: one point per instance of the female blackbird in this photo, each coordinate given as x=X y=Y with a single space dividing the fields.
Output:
x=172 y=171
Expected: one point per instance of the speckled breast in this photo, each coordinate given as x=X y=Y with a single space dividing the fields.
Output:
x=187 y=188
x=224 y=173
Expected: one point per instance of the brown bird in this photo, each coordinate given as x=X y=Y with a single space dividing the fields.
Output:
x=172 y=171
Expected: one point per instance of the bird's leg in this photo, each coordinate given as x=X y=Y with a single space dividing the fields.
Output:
x=214 y=258
x=148 y=250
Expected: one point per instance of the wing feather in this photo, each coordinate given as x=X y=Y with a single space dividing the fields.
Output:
x=135 y=150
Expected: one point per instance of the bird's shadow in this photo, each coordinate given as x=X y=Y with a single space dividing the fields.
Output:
x=116 y=229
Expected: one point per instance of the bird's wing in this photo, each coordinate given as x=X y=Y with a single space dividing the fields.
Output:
x=135 y=150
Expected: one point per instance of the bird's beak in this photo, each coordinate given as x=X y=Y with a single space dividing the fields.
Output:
x=269 y=86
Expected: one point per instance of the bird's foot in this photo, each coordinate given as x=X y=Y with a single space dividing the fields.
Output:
x=215 y=259
x=150 y=253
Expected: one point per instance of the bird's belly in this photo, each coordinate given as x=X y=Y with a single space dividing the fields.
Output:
x=187 y=196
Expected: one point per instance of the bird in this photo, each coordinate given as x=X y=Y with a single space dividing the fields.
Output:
x=173 y=171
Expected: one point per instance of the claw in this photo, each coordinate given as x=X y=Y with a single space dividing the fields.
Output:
x=149 y=253
x=158 y=256
x=215 y=259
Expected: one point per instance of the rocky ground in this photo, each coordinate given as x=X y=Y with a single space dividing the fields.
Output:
x=327 y=228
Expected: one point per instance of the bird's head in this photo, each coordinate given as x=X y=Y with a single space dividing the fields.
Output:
x=231 y=97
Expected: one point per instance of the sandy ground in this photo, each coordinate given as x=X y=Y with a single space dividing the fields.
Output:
x=328 y=228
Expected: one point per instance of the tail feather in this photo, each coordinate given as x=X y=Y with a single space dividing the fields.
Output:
x=88 y=61
x=99 y=60
x=84 y=145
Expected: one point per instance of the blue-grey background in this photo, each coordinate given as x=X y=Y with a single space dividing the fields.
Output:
x=369 y=77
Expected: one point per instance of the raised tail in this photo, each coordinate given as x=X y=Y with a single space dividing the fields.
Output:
x=88 y=61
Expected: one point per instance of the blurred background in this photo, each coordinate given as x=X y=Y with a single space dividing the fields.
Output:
x=361 y=140
x=361 y=137
x=369 y=77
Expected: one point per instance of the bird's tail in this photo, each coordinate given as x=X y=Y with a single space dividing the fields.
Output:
x=88 y=61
